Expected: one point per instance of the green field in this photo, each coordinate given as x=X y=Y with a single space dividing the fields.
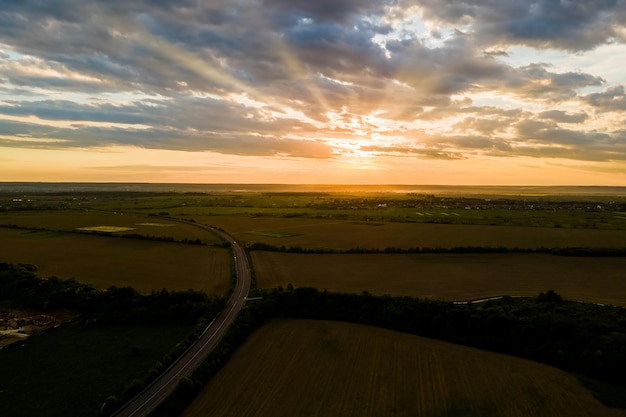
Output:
x=317 y=368
x=344 y=234
x=530 y=209
x=448 y=276
x=502 y=206
x=54 y=375
x=105 y=229
x=106 y=260
x=272 y=234
x=305 y=368
x=71 y=220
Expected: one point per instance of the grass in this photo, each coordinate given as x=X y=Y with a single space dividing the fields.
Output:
x=447 y=276
x=271 y=234
x=345 y=234
x=71 y=370
x=317 y=368
x=605 y=220
x=104 y=261
x=366 y=207
x=70 y=220
x=105 y=229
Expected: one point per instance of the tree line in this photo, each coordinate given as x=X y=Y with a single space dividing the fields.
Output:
x=560 y=251
x=580 y=337
x=112 y=306
x=583 y=338
x=139 y=236
x=21 y=284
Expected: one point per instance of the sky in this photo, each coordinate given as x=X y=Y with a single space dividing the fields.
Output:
x=490 y=92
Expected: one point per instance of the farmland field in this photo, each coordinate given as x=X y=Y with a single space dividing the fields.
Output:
x=71 y=220
x=106 y=260
x=309 y=368
x=318 y=368
x=345 y=234
x=70 y=371
x=448 y=276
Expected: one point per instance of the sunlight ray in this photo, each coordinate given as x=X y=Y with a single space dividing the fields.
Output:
x=191 y=61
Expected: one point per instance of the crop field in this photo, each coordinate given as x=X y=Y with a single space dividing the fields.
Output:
x=108 y=222
x=307 y=368
x=71 y=370
x=104 y=229
x=345 y=234
x=466 y=205
x=560 y=219
x=563 y=219
x=453 y=277
x=104 y=261
x=318 y=368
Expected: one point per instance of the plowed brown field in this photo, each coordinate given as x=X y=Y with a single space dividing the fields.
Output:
x=315 y=368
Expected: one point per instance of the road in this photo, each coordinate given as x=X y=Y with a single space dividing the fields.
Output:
x=152 y=396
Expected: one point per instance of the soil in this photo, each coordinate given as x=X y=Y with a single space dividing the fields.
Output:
x=16 y=325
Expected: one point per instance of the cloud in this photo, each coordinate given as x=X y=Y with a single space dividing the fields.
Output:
x=228 y=141
x=297 y=78
x=428 y=153
x=535 y=81
x=544 y=132
x=327 y=10
x=573 y=25
x=537 y=142
x=68 y=110
x=563 y=117
x=611 y=99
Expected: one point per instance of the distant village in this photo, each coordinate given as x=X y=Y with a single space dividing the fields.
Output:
x=465 y=203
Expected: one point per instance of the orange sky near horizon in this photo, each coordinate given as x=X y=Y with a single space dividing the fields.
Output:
x=120 y=165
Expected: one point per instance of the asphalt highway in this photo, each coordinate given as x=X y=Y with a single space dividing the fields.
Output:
x=155 y=393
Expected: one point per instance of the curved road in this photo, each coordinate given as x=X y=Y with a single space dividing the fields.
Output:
x=152 y=396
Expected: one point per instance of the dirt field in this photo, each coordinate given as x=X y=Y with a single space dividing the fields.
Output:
x=16 y=325
x=315 y=368
x=448 y=276
x=104 y=261
x=325 y=233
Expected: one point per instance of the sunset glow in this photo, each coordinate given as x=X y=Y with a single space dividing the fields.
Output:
x=347 y=91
